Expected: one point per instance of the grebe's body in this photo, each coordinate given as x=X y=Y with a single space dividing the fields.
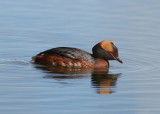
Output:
x=73 y=57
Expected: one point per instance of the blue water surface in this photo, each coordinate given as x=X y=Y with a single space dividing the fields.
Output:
x=28 y=27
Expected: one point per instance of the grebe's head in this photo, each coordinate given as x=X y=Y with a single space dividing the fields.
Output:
x=106 y=50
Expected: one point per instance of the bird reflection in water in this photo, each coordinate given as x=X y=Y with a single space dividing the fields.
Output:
x=104 y=82
x=101 y=80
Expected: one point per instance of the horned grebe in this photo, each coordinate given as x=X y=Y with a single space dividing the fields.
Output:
x=73 y=57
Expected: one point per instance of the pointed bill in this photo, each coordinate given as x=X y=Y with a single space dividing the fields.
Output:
x=117 y=58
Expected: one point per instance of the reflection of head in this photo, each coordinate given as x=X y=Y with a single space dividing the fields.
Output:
x=104 y=82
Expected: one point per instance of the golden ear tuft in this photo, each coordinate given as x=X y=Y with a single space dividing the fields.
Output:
x=107 y=45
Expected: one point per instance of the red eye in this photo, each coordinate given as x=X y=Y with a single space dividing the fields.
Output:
x=111 y=53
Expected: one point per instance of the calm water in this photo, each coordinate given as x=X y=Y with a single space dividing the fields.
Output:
x=29 y=26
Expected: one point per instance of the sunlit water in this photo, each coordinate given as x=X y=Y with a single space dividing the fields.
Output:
x=29 y=27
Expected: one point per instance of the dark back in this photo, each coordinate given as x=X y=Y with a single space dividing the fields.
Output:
x=68 y=52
